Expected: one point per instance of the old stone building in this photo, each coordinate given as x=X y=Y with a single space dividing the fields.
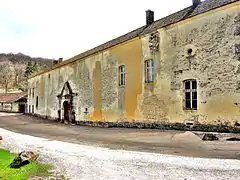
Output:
x=13 y=102
x=181 y=69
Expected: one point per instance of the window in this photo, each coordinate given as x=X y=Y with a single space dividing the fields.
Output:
x=190 y=91
x=122 y=75
x=37 y=102
x=30 y=93
x=86 y=111
x=33 y=92
x=149 y=71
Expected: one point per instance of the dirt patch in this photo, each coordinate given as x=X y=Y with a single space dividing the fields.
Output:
x=187 y=136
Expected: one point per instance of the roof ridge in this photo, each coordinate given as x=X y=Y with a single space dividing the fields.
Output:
x=144 y=27
x=178 y=16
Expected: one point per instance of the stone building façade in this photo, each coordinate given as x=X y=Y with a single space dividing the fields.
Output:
x=182 y=69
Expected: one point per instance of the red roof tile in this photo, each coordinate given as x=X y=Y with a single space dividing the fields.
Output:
x=10 y=97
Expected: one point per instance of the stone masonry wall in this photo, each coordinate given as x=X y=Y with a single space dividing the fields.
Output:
x=213 y=62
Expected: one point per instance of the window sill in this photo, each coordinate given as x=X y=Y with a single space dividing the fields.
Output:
x=122 y=86
x=190 y=109
x=149 y=83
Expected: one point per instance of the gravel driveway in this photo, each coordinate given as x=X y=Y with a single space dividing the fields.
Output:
x=77 y=161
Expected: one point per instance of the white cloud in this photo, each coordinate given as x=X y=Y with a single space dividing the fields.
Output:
x=64 y=28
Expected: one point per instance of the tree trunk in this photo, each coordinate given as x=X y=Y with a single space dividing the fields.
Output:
x=6 y=86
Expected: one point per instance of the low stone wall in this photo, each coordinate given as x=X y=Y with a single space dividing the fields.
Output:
x=163 y=126
x=153 y=125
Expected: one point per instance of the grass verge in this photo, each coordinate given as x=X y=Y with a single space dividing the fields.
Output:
x=23 y=173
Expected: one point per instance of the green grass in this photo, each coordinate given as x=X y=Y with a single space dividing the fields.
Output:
x=23 y=173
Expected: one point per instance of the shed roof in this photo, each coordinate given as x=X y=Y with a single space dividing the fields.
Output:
x=11 y=97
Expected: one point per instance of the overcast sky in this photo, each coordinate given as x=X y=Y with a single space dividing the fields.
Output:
x=64 y=28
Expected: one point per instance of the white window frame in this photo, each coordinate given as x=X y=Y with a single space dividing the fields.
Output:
x=149 y=70
x=122 y=75
x=191 y=91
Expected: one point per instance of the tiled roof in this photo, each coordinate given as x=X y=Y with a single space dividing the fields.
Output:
x=111 y=43
x=191 y=11
x=10 y=97
x=204 y=6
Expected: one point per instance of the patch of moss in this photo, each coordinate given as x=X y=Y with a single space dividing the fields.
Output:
x=23 y=173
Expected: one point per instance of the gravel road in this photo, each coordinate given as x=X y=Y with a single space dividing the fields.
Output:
x=77 y=161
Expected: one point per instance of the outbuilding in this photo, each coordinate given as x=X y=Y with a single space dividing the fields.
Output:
x=13 y=102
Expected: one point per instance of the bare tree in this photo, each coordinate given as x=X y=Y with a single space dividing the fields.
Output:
x=7 y=73
x=19 y=73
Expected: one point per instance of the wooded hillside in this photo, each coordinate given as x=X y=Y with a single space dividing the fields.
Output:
x=15 y=68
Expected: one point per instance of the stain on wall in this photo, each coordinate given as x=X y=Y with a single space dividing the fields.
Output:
x=97 y=98
x=129 y=54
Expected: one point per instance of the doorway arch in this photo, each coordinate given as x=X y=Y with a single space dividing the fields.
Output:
x=66 y=110
x=67 y=100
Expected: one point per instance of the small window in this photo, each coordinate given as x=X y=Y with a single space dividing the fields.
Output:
x=32 y=109
x=33 y=92
x=86 y=111
x=149 y=71
x=30 y=93
x=37 y=102
x=122 y=75
x=190 y=92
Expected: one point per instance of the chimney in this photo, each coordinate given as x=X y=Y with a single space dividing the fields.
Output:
x=195 y=3
x=60 y=60
x=149 y=17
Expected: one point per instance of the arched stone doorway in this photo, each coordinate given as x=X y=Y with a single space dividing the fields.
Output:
x=67 y=100
x=66 y=110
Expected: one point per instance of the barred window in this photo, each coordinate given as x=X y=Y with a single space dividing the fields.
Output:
x=190 y=91
x=122 y=75
x=149 y=71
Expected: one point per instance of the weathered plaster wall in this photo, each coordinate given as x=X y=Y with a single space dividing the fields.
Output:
x=129 y=55
x=95 y=80
x=213 y=63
